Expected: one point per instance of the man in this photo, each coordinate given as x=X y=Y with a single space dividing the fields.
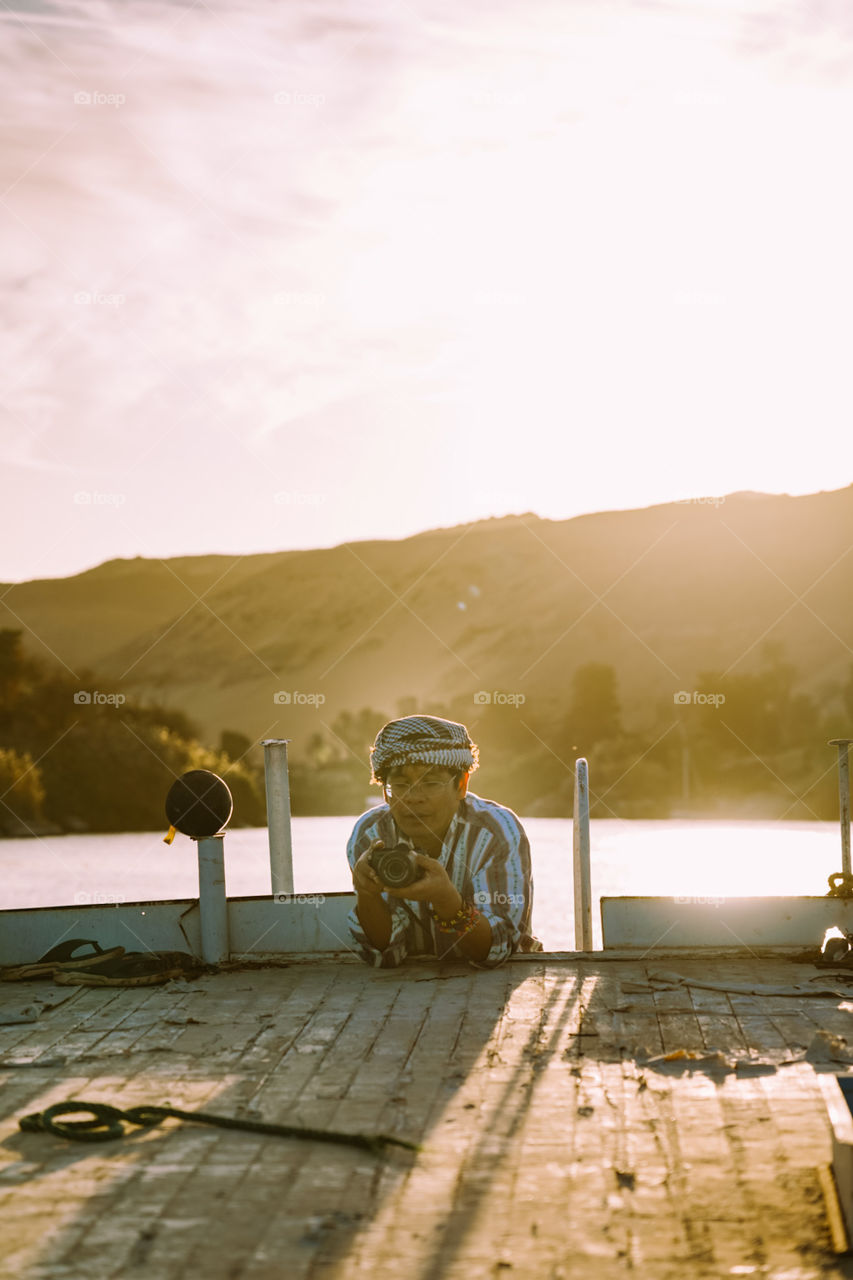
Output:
x=474 y=897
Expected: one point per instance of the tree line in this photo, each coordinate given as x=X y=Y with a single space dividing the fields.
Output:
x=746 y=744
x=751 y=744
x=72 y=761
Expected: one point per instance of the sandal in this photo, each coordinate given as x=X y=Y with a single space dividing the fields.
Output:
x=60 y=958
x=132 y=969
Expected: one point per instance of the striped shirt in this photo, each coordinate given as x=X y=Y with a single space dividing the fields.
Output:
x=486 y=855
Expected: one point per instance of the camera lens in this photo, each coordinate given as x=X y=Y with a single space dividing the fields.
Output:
x=395 y=867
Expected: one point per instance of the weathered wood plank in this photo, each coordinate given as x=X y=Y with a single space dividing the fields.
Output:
x=544 y=1154
x=680 y=1031
x=720 y=1031
x=713 y=1002
x=795 y=1028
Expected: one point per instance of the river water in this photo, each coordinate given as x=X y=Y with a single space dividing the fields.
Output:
x=672 y=858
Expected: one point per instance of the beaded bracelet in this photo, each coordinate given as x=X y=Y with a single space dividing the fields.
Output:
x=472 y=924
x=463 y=922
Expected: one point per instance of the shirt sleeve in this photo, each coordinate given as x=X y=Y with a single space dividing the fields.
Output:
x=365 y=830
x=502 y=890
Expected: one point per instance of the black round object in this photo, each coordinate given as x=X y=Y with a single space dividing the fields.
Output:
x=199 y=804
x=835 y=950
x=396 y=867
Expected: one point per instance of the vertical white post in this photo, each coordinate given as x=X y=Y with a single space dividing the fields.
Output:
x=213 y=903
x=278 y=814
x=580 y=842
x=844 y=799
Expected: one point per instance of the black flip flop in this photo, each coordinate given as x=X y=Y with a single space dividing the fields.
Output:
x=59 y=958
x=133 y=969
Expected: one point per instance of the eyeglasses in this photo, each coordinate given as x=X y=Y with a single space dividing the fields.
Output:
x=403 y=790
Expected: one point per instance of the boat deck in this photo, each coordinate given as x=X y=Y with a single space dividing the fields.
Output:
x=549 y=1148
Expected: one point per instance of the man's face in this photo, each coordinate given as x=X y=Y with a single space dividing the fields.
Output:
x=423 y=799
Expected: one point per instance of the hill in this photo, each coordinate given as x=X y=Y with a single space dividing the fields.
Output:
x=282 y=644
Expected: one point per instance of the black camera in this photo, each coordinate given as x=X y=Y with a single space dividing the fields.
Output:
x=396 y=867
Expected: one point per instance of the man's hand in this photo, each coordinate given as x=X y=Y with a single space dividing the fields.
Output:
x=434 y=886
x=364 y=878
x=371 y=908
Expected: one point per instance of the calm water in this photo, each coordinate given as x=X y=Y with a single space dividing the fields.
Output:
x=701 y=859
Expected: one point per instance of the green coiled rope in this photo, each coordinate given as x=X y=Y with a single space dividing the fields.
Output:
x=105 y=1124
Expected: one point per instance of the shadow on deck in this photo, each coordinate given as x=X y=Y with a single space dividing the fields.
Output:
x=548 y=1149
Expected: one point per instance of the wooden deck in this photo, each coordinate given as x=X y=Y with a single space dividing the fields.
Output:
x=548 y=1149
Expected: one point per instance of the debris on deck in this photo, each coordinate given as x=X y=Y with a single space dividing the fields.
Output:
x=577 y=1118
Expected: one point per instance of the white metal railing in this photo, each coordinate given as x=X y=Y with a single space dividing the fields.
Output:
x=278 y=814
x=212 y=900
x=842 y=745
x=580 y=846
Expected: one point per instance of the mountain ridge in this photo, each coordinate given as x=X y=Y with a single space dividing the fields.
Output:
x=512 y=604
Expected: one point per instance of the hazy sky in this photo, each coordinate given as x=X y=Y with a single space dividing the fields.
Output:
x=286 y=275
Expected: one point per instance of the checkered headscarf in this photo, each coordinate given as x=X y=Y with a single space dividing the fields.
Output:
x=422 y=740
